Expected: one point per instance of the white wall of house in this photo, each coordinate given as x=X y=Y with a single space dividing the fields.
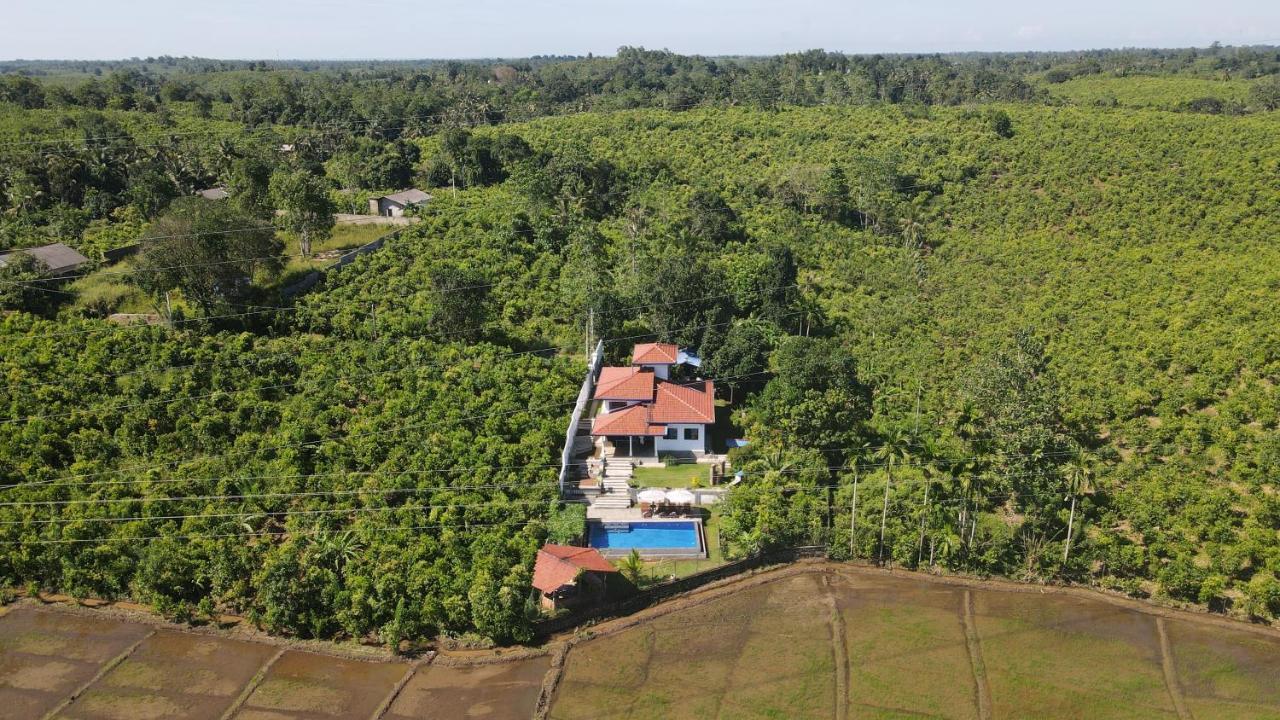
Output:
x=662 y=372
x=616 y=405
x=681 y=443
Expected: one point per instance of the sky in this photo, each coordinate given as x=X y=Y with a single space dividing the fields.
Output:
x=361 y=29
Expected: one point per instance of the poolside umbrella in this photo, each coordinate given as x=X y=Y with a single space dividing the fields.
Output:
x=652 y=495
x=681 y=497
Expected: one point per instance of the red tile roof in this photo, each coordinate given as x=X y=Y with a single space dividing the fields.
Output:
x=559 y=565
x=629 y=421
x=624 y=383
x=654 y=354
x=685 y=403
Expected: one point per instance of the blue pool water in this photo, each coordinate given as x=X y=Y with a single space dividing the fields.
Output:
x=646 y=535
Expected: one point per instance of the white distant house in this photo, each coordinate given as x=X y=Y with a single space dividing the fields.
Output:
x=60 y=259
x=395 y=204
x=644 y=414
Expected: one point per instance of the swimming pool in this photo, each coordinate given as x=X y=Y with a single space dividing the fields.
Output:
x=672 y=537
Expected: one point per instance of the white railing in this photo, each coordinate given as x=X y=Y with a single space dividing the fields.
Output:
x=584 y=398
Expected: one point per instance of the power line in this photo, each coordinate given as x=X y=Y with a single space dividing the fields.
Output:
x=282 y=533
x=376 y=373
x=493 y=323
x=504 y=504
x=456 y=488
x=310 y=443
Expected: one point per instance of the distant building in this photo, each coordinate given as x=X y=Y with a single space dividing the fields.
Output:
x=570 y=577
x=395 y=204
x=213 y=193
x=59 y=258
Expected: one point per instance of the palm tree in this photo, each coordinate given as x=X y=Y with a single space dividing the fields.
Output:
x=1078 y=474
x=632 y=568
x=933 y=469
x=895 y=448
x=853 y=506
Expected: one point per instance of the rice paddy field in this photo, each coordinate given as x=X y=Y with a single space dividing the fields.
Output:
x=54 y=664
x=848 y=644
x=821 y=641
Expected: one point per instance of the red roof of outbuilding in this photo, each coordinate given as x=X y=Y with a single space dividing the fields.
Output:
x=685 y=403
x=624 y=383
x=559 y=565
x=654 y=354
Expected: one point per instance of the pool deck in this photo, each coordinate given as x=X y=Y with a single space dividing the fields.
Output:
x=614 y=514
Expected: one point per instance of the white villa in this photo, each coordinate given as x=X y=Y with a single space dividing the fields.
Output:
x=644 y=414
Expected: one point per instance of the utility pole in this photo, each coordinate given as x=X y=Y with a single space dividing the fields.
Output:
x=168 y=309
x=591 y=321
x=373 y=314
x=853 y=511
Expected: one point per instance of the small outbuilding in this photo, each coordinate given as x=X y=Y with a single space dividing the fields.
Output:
x=395 y=204
x=568 y=577
x=213 y=193
x=59 y=258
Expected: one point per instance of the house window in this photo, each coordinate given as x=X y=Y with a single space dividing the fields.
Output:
x=691 y=433
x=671 y=434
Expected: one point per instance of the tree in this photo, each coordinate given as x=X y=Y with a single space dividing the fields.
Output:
x=1265 y=93
x=1078 y=474
x=741 y=356
x=22 y=285
x=458 y=302
x=632 y=567
x=895 y=448
x=814 y=400
x=308 y=210
x=567 y=524
x=208 y=250
x=1016 y=396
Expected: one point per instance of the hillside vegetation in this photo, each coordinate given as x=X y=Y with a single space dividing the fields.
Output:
x=1023 y=337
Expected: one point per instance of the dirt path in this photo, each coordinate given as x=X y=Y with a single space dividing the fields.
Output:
x=974 y=644
x=839 y=651
x=1171 y=672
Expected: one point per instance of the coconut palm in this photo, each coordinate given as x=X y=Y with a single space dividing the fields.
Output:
x=1078 y=474
x=895 y=449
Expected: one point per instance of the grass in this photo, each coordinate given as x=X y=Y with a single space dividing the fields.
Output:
x=344 y=237
x=105 y=291
x=679 y=476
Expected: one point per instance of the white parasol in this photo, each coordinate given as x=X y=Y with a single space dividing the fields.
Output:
x=652 y=495
x=680 y=497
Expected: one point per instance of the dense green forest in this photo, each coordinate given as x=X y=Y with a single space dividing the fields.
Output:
x=1018 y=309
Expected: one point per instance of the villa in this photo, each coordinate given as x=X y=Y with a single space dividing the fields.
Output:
x=644 y=414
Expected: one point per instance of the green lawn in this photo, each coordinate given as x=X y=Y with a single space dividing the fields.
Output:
x=679 y=476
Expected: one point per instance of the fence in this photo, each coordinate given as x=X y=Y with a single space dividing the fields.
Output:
x=345 y=259
x=584 y=397
x=656 y=593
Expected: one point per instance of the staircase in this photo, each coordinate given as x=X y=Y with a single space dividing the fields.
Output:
x=615 y=489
